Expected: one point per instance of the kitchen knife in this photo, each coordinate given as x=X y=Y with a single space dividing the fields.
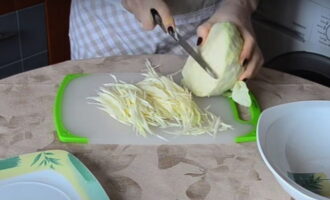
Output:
x=177 y=37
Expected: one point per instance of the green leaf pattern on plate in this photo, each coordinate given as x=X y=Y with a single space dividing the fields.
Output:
x=45 y=159
x=80 y=168
x=9 y=163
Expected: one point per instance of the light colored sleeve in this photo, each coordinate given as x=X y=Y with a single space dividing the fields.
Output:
x=251 y=5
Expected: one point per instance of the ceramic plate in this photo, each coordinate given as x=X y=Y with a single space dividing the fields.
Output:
x=51 y=175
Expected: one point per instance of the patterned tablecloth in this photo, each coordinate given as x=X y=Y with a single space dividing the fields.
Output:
x=165 y=172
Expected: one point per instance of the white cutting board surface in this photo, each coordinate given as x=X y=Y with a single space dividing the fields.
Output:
x=86 y=120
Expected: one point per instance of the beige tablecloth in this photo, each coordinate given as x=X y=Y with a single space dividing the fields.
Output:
x=165 y=172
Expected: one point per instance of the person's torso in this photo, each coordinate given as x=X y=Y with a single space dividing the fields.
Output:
x=101 y=28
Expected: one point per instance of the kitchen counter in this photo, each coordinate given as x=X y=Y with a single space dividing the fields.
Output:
x=165 y=172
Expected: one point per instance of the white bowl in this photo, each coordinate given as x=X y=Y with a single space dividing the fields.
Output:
x=295 y=137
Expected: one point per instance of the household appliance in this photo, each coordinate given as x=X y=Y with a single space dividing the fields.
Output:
x=294 y=37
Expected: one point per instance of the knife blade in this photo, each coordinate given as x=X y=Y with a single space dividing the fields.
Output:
x=190 y=50
x=183 y=43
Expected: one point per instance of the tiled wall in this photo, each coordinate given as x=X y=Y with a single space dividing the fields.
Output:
x=23 y=40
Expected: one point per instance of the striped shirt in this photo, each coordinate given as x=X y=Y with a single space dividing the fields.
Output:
x=101 y=28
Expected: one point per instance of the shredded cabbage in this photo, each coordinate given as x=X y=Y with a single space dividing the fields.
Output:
x=157 y=101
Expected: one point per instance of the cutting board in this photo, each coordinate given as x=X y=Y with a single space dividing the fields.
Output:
x=78 y=121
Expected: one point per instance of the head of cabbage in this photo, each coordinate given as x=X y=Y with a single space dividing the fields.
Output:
x=221 y=51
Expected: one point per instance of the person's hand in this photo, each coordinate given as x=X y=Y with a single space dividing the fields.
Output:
x=238 y=12
x=141 y=10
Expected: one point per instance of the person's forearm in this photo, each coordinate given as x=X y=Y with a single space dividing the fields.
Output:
x=250 y=5
x=253 y=4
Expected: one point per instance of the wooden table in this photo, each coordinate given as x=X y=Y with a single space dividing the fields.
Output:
x=165 y=172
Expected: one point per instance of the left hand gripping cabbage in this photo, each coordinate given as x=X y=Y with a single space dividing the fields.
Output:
x=221 y=51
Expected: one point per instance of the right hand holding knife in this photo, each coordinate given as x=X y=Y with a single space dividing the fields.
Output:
x=141 y=10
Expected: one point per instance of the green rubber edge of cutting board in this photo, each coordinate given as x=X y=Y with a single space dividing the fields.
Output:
x=63 y=134
x=254 y=111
